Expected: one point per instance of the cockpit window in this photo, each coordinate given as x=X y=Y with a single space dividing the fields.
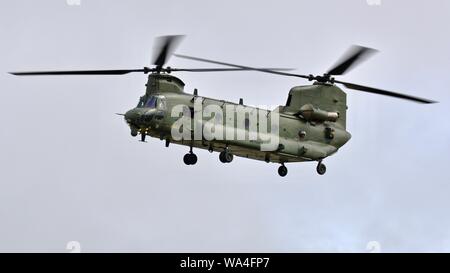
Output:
x=161 y=103
x=141 y=102
x=151 y=102
x=158 y=102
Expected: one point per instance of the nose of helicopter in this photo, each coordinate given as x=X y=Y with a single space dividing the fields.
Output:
x=139 y=116
x=132 y=116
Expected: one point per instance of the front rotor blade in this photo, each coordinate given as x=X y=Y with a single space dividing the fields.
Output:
x=78 y=72
x=384 y=92
x=242 y=66
x=164 y=47
x=354 y=55
x=126 y=71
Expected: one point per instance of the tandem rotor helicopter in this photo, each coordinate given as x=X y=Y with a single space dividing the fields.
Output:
x=311 y=125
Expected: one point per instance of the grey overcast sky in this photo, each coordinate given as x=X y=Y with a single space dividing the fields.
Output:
x=70 y=171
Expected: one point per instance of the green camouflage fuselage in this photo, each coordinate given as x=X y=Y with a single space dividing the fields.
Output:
x=300 y=139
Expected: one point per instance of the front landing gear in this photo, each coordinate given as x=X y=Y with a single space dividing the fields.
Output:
x=321 y=168
x=190 y=158
x=282 y=170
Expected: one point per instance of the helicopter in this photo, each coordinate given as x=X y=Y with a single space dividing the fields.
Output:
x=311 y=126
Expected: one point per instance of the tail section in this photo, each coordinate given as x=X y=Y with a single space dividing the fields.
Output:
x=319 y=100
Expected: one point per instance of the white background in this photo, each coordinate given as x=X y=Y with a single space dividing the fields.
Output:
x=70 y=171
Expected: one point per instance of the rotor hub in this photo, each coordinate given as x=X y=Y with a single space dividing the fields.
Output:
x=326 y=78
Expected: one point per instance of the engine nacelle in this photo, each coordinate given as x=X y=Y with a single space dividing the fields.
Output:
x=310 y=113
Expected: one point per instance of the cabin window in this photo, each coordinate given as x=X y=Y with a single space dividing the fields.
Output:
x=247 y=124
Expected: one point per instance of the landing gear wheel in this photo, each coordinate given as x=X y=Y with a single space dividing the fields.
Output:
x=187 y=159
x=321 y=168
x=225 y=157
x=190 y=159
x=228 y=157
x=282 y=171
x=221 y=157
x=134 y=132
x=193 y=159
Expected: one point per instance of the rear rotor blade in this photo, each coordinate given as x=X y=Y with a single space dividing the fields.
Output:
x=222 y=69
x=78 y=72
x=354 y=55
x=164 y=47
x=242 y=67
x=384 y=92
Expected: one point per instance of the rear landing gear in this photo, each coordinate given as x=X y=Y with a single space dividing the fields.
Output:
x=225 y=156
x=321 y=168
x=282 y=170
